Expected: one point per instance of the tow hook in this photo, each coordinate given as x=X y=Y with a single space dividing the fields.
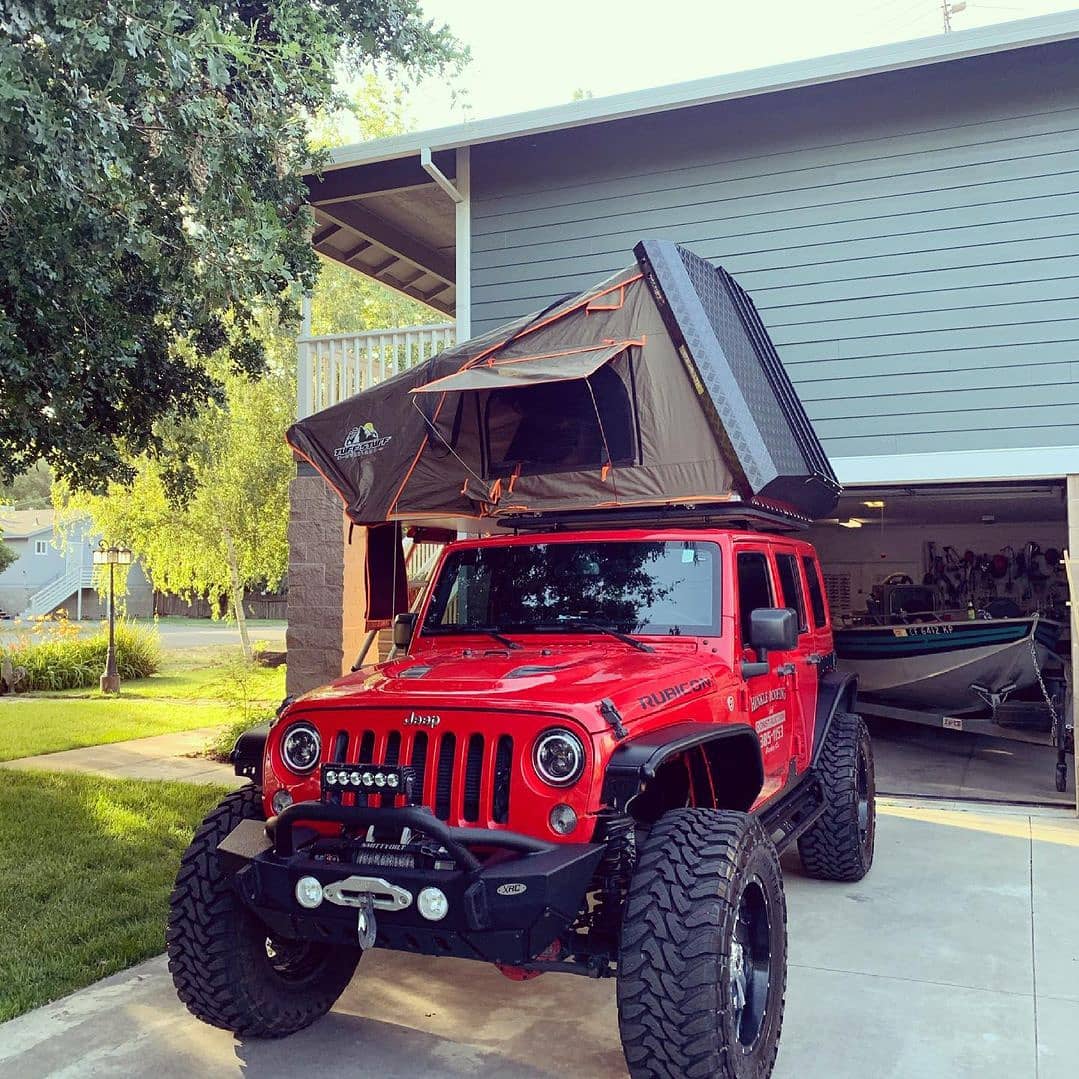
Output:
x=366 y=927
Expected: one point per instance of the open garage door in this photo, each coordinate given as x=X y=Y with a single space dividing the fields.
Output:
x=951 y=603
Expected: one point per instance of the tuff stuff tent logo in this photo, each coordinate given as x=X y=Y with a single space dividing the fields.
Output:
x=362 y=442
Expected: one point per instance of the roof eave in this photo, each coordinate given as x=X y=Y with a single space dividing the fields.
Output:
x=942 y=48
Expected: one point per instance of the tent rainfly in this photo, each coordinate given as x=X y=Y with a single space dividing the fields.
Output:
x=658 y=387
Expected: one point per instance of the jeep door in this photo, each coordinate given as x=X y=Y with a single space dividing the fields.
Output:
x=770 y=704
x=801 y=664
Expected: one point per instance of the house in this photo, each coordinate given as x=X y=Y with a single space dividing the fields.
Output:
x=50 y=573
x=906 y=218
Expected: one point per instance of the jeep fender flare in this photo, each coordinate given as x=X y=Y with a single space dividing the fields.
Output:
x=726 y=760
x=836 y=692
x=247 y=754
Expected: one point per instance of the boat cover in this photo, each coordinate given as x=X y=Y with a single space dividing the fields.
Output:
x=657 y=387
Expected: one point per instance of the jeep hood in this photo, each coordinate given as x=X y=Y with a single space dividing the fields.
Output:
x=561 y=679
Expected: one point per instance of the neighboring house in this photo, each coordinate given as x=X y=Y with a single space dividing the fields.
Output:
x=48 y=574
x=906 y=218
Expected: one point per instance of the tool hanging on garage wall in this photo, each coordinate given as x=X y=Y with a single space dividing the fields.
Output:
x=1006 y=584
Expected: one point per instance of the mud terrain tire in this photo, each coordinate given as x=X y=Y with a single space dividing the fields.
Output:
x=707 y=889
x=839 y=846
x=223 y=964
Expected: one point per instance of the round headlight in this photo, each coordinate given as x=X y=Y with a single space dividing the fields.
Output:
x=301 y=747
x=559 y=757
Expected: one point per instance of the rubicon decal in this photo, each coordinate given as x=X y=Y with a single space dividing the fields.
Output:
x=662 y=696
x=362 y=441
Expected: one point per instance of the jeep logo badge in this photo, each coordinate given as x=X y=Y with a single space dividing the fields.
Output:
x=416 y=720
x=511 y=889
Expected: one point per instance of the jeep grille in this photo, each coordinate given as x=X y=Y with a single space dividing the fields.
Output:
x=466 y=780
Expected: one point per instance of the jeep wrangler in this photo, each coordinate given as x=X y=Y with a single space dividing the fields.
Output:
x=587 y=757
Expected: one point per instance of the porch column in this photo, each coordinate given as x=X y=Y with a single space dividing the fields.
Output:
x=326 y=600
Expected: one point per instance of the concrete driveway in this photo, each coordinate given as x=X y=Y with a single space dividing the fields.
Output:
x=957 y=957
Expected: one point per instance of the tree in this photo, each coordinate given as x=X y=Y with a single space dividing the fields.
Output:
x=224 y=531
x=8 y=554
x=152 y=202
x=29 y=491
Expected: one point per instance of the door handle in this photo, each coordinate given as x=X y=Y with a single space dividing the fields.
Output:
x=814 y=659
x=785 y=668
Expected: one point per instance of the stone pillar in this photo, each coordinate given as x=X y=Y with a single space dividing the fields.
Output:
x=326 y=600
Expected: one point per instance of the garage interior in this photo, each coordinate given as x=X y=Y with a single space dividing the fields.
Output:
x=879 y=532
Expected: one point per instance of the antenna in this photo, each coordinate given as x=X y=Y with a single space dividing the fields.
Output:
x=947 y=10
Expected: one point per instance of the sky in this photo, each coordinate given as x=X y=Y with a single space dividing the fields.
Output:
x=527 y=56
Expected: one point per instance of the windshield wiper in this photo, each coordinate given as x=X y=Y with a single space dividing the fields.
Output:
x=490 y=631
x=501 y=638
x=595 y=627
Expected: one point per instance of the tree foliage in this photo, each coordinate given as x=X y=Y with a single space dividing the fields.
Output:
x=224 y=530
x=8 y=554
x=152 y=198
x=30 y=491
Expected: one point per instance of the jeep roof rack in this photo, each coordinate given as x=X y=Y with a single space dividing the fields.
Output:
x=726 y=515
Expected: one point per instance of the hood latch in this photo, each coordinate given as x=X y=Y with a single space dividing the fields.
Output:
x=613 y=717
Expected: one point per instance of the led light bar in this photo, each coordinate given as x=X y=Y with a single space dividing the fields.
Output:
x=340 y=778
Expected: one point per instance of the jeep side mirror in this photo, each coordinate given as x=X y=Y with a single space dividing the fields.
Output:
x=403 y=626
x=770 y=629
x=773 y=629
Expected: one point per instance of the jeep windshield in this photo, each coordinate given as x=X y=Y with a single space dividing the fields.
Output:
x=668 y=588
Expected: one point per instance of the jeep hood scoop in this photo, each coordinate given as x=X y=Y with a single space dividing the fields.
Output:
x=657 y=387
x=549 y=680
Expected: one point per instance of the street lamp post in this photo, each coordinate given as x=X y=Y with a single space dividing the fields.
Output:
x=112 y=557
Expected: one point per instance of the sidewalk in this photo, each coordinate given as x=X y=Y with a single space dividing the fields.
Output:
x=162 y=756
x=956 y=958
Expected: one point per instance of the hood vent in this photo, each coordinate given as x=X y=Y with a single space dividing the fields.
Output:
x=531 y=669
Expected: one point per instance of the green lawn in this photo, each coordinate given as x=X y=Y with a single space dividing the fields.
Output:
x=31 y=725
x=86 y=866
x=190 y=691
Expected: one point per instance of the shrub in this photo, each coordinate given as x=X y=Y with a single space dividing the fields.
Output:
x=220 y=746
x=56 y=656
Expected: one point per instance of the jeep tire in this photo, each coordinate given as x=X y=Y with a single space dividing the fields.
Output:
x=226 y=968
x=839 y=846
x=702 y=969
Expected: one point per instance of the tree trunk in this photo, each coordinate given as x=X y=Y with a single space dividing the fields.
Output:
x=237 y=595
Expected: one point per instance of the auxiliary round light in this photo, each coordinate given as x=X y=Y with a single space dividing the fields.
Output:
x=563 y=819
x=391 y=781
x=308 y=892
x=558 y=757
x=301 y=747
x=433 y=904
x=368 y=779
x=281 y=800
x=355 y=779
x=380 y=779
x=331 y=779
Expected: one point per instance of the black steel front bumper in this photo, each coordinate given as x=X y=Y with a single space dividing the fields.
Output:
x=506 y=911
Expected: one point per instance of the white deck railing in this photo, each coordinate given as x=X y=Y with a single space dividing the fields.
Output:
x=336 y=366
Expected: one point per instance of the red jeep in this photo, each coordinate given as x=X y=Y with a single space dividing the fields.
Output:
x=587 y=758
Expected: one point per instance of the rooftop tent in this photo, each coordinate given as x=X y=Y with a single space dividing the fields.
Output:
x=657 y=387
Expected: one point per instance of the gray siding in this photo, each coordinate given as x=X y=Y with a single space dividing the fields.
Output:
x=911 y=239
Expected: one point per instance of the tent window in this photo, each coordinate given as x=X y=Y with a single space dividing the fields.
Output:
x=561 y=426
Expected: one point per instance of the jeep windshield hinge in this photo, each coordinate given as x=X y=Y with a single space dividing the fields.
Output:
x=613 y=717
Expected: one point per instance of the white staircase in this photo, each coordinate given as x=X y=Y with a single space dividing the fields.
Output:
x=50 y=596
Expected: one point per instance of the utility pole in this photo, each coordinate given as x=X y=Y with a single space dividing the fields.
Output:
x=947 y=10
